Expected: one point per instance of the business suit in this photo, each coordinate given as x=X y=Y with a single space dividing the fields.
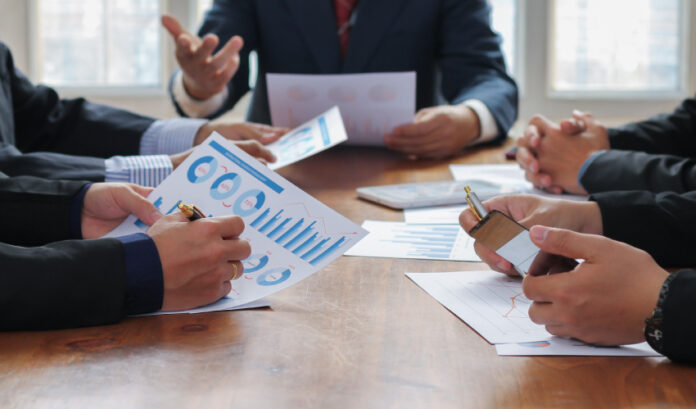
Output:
x=43 y=135
x=58 y=284
x=658 y=155
x=447 y=42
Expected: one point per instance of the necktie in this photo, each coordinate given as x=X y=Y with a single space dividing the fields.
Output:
x=344 y=8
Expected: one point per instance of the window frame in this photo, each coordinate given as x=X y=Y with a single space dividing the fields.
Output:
x=35 y=53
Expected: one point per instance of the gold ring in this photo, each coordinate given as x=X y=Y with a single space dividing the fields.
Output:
x=234 y=266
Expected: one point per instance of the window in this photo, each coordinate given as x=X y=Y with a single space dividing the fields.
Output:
x=504 y=18
x=97 y=43
x=617 y=45
x=203 y=6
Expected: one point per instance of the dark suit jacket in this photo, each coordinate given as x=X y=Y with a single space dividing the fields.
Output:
x=43 y=135
x=67 y=283
x=658 y=155
x=449 y=43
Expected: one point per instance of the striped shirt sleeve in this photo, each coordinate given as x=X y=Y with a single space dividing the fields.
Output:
x=170 y=136
x=145 y=170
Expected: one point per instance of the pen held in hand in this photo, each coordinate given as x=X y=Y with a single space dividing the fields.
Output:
x=191 y=211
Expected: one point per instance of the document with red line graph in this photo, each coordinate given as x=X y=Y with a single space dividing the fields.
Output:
x=494 y=306
x=292 y=235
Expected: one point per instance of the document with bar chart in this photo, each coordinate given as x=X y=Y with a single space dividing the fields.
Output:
x=421 y=241
x=292 y=235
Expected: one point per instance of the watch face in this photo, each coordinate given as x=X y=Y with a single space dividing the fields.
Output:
x=653 y=333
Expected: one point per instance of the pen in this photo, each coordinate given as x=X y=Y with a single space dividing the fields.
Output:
x=191 y=211
x=475 y=204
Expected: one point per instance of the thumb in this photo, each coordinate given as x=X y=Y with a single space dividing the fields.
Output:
x=134 y=201
x=573 y=126
x=568 y=243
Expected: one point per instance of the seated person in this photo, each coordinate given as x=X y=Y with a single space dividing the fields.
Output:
x=68 y=282
x=581 y=155
x=618 y=294
x=45 y=136
x=448 y=43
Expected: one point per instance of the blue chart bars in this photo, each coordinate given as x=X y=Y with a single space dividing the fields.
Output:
x=299 y=236
x=434 y=241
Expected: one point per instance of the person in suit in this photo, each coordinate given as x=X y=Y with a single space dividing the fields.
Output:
x=448 y=43
x=618 y=294
x=51 y=278
x=581 y=155
x=45 y=136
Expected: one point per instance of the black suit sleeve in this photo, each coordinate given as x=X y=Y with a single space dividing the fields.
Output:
x=60 y=285
x=679 y=321
x=660 y=223
x=672 y=134
x=629 y=170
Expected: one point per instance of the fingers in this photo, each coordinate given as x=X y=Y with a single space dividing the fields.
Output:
x=543 y=313
x=205 y=50
x=526 y=159
x=418 y=129
x=541 y=180
x=172 y=25
x=256 y=150
x=227 y=226
x=467 y=220
x=227 y=54
x=568 y=243
x=495 y=261
x=131 y=199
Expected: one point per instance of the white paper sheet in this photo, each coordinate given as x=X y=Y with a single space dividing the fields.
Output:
x=509 y=176
x=371 y=104
x=434 y=215
x=308 y=139
x=292 y=235
x=570 y=347
x=495 y=307
x=420 y=241
x=223 y=304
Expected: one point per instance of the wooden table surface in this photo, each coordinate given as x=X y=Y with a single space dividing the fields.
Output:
x=357 y=334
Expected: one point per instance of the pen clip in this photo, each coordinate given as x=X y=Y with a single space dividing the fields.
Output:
x=473 y=208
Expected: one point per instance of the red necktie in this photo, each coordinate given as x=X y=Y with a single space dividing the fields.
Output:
x=344 y=9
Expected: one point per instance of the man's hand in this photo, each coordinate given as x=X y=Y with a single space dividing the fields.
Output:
x=603 y=301
x=240 y=131
x=198 y=258
x=106 y=205
x=204 y=74
x=436 y=132
x=552 y=154
x=531 y=210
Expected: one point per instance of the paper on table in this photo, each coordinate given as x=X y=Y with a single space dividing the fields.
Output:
x=509 y=176
x=434 y=215
x=308 y=139
x=292 y=235
x=371 y=104
x=495 y=307
x=570 y=347
x=420 y=241
x=223 y=304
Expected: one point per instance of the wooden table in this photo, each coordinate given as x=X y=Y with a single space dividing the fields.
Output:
x=358 y=334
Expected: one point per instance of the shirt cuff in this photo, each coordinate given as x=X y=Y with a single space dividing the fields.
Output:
x=144 y=277
x=170 y=136
x=142 y=170
x=75 y=217
x=196 y=108
x=586 y=165
x=488 y=127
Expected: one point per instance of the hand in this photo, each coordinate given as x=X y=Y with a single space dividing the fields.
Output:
x=240 y=131
x=603 y=301
x=436 y=132
x=531 y=210
x=198 y=258
x=106 y=205
x=204 y=74
x=552 y=154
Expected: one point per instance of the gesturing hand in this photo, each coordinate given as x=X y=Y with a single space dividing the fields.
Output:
x=204 y=74
x=603 y=301
x=106 y=205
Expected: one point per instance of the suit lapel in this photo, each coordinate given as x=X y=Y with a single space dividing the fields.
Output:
x=317 y=22
x=374 y=19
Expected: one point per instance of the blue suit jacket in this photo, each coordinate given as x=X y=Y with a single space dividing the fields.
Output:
x=449 y=43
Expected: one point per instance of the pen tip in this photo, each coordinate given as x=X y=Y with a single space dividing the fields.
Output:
x=467 y=189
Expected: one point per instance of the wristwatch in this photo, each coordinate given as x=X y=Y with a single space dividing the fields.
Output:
x=653 y=325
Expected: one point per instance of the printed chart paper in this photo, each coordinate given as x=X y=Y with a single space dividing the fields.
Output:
x=509 y=177
x=292 y=235
x=371 y=104
x=420 y=241
x=434 y=215
x=494 y=306
x=308 y=139
x=223 y=304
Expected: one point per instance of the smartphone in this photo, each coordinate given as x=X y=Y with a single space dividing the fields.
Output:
x=511 y=241
x=410 y=195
